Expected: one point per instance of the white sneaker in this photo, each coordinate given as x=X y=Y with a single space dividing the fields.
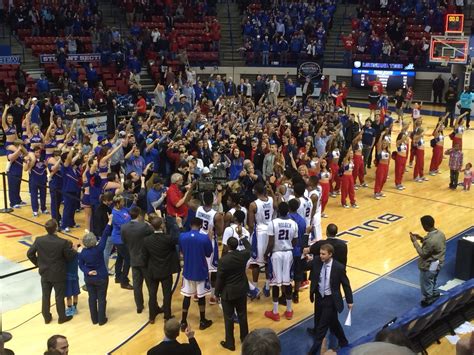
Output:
x=424 y=179
x=345 y=206
x=365 y=185
x=35 y=214
x=356 y=187
x=355 y=205
x=376 y=196
x=382 y=194
x=432 y=173
x=324 y=215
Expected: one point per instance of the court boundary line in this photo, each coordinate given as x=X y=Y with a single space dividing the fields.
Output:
x=371 y=282
x=39 y=224
x=427 y=199
x=130 y=337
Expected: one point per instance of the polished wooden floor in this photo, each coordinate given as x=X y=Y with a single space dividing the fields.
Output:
x=372 y=254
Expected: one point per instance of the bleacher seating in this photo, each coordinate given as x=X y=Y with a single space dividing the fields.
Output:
x=417 y=25
x=425 y=325
x=312 y=22
x=7 y=76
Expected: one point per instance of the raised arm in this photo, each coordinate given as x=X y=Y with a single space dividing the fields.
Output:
x=4 y=117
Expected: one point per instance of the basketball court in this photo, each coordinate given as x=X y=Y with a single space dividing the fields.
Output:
x=378 y=242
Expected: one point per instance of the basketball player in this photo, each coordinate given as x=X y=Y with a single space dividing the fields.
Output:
x=196 y=248
x=282 y=237
x=315 y=194
x=213 y=224
x=306 y=205
x=237 y=230
x=259 y=216
x=233 y=203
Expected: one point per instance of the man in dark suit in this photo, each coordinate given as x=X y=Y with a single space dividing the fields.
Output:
x=242 y=88
x=340 y=247
x=161 y=261
x=133 y=235
x=232 y=287
x=170 y=346
x=51 y=253
x=327 y=276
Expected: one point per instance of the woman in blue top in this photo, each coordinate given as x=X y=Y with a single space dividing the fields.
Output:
x=8 y=127
x=120 y=216
x=236 y=165
x=71 y=187
x=15 y=154
x=91 y=262
x=36 y=166
x=55 y=184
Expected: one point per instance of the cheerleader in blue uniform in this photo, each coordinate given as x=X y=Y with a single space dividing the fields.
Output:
x=60 y=130
x=71 y=137
x=55 y=184
x=71 y=173
x=16 y=153
x=87 y=179
x=36 y=166
x=104 y=156
x=8 y=127
x=33 y=133
x=50 y=142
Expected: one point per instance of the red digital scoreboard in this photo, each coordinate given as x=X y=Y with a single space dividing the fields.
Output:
x=454 y=24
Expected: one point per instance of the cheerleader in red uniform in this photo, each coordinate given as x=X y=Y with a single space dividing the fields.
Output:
x=412 y=154
x=358 y=171
x=400 y=159
x=347 y=180
x=324 y=181
x=383 y=156
x=419 y=142
x=334 y=155
x=458 y=131
x=438 y=147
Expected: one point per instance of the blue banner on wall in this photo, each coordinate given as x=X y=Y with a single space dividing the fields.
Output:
x=10 y=59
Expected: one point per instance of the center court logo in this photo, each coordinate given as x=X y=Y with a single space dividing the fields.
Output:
x=371 y=225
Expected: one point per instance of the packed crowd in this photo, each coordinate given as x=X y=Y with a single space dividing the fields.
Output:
x=286 y=32
x=395 y=31
x=222 y=162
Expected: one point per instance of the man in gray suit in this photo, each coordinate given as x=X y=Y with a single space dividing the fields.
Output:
x=51 y=254
x=133 y=234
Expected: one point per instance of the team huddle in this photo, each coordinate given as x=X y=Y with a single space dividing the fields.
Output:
x=278 y=226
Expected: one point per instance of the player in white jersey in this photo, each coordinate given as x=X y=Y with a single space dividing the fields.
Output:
x=282 y=237
x=259 y=216
x=233 y=202
x=315 y=194
x=212 y=222
x=236 y=230
x=305 y=202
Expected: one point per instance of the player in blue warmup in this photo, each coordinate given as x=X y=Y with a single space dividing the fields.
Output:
x=195 y=247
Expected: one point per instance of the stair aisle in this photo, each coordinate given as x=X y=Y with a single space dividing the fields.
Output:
x=230 y=20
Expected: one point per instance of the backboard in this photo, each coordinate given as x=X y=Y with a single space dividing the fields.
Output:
x=452 y=49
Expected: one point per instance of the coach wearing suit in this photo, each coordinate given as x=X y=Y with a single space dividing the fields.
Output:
x=133 y=235
x=232 y=287
x=340 y=247
x=161 y=261
x=327 y=276
x=170 y=346
x=51 y=253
